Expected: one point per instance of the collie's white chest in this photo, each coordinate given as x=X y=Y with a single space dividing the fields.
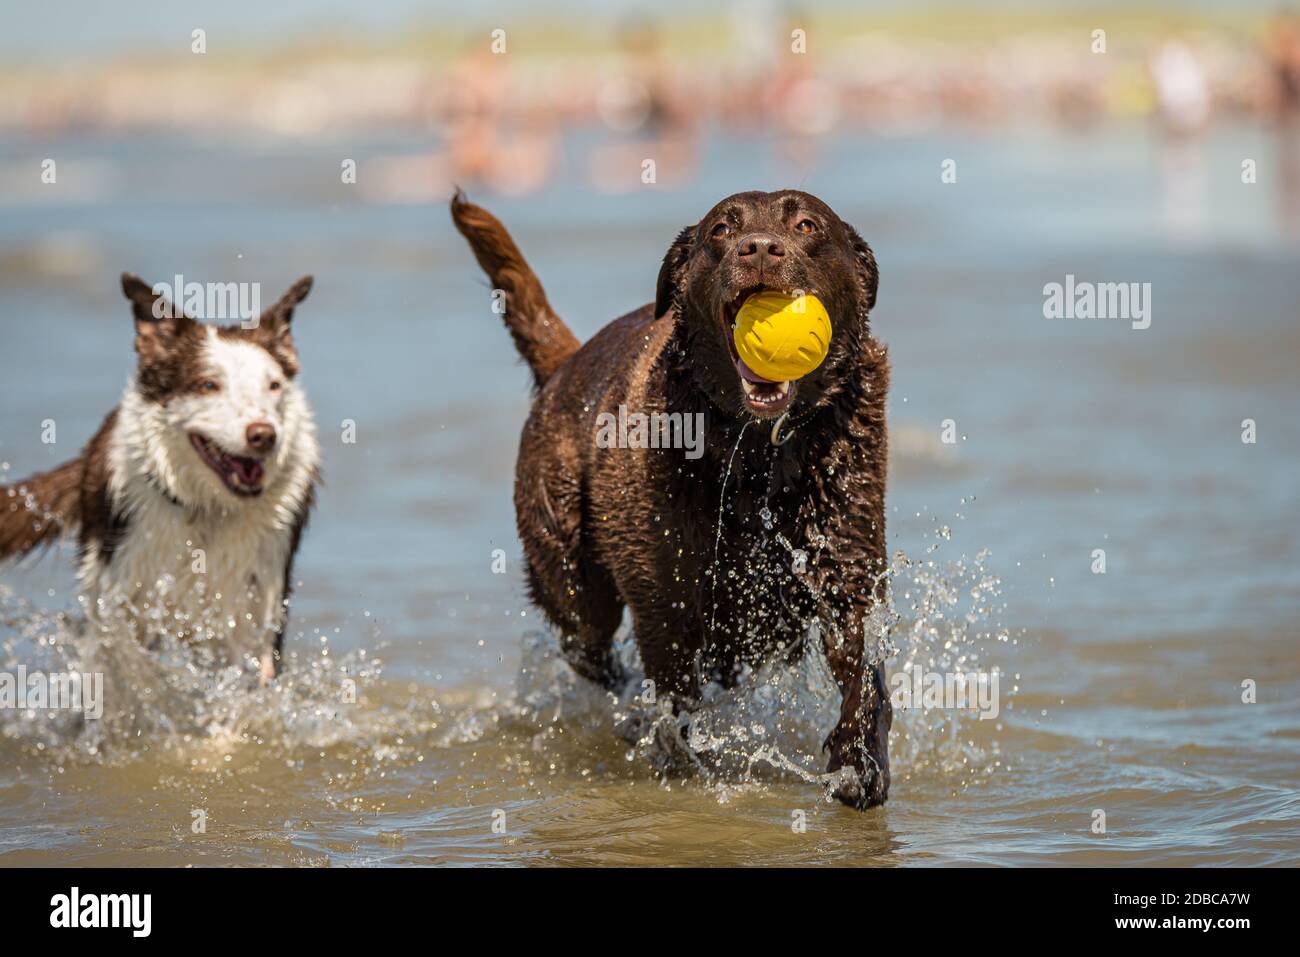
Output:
x=193 y=575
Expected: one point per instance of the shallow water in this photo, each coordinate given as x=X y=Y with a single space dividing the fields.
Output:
x=1119 y=692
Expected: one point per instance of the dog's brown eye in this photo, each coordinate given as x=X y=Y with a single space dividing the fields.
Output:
x=721 y=230
x=275 y=386
x=210 y=385
x=805 y=226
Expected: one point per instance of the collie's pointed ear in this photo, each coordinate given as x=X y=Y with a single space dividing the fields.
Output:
x=868 y=272
x=672 y=274
x=274 y=329
x=158 y=323
x=146 y=305
x=281 y=313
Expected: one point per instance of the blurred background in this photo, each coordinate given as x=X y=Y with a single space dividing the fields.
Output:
x=1164 y=150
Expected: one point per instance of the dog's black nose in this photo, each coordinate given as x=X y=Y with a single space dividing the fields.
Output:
x=261 y=437
x=758 y=248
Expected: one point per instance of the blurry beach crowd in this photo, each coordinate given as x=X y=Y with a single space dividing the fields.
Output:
x=496 y=99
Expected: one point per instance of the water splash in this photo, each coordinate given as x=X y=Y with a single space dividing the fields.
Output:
x=171 y=693
x=768 y=727
x=940 y=616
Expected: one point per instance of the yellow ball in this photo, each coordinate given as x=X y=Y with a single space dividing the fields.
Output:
x=782 y=337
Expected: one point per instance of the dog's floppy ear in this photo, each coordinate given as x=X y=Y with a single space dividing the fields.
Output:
x=157 y=322
x=868 y=273
x=670 y=273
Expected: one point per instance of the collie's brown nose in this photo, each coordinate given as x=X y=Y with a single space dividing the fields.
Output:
x=261 y=437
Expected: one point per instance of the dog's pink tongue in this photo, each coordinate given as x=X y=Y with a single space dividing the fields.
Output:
x=249 y=470
x=747 y=373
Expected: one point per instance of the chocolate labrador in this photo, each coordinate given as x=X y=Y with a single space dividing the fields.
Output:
x=728 y=557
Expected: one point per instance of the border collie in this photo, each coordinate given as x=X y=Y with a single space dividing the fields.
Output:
x=190 y=501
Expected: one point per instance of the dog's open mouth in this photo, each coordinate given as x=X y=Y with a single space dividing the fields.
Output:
x=241 y=474
x=763 y=397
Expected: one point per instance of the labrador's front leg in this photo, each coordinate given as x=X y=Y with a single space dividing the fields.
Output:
x=859 y=742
